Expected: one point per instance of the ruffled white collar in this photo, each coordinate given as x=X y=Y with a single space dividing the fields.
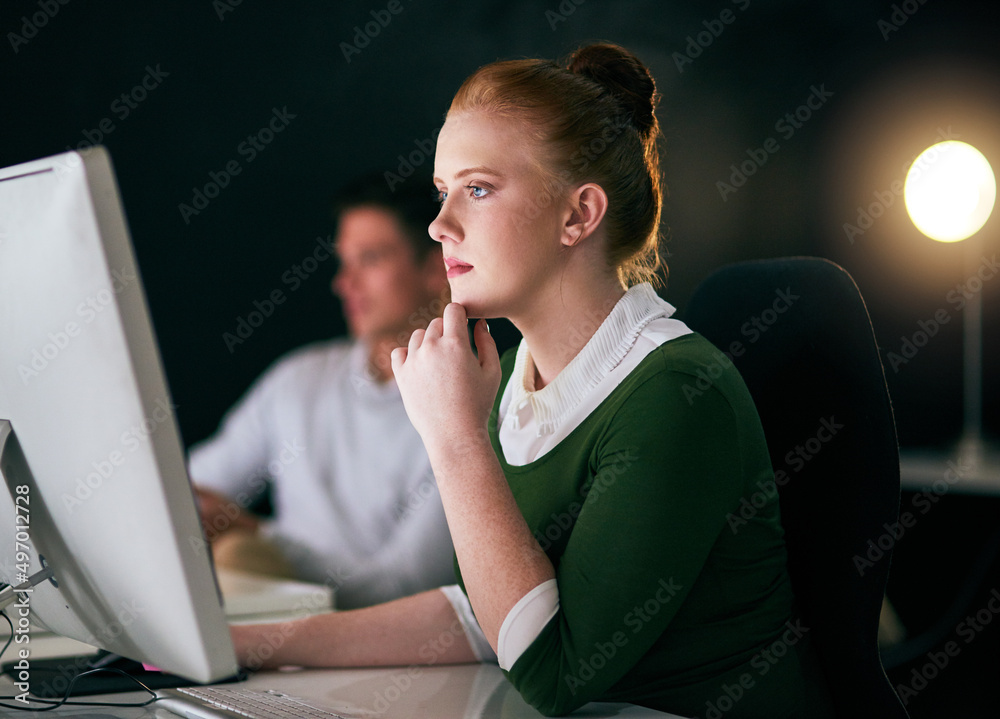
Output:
x=639 y=306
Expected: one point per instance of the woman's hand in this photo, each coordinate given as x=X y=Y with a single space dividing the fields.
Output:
x=448 y=393
x=402 y=632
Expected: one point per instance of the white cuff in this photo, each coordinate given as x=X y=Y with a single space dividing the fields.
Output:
x=477 y=640
x=525 y=621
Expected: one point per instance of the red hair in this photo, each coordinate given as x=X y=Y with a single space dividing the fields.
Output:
x=596 y=117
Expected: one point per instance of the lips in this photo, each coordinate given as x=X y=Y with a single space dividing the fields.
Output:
x=353 y=307
x=456 y=266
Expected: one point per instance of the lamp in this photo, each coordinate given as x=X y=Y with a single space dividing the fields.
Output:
x=949 y=193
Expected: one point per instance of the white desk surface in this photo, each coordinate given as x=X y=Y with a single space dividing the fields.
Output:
x=945 y=471
x=437 y=692
x=463 y=691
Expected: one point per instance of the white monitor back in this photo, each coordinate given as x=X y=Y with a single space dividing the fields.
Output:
x=110 y=504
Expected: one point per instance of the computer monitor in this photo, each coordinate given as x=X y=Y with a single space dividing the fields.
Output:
x=95 y=484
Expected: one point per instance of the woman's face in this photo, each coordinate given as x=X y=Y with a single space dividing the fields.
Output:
x=500 y=224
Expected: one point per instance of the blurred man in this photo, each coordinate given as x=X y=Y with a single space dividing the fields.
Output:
x=355 y=502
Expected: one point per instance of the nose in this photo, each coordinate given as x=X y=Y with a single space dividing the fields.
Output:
x=445 y=227
x=342 y=280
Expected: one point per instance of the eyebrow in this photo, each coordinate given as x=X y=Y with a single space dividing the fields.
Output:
x=479 y=169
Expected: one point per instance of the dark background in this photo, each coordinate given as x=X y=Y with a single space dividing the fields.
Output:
x=897 y=87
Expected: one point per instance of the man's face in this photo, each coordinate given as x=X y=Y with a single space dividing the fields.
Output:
x=381 y=284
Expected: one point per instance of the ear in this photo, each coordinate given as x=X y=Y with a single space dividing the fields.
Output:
x=587 y=206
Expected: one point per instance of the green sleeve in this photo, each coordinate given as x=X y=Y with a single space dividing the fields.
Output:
x=665 y=472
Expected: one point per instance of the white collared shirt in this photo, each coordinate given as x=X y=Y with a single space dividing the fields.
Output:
x=356 y=503
x=535 y=421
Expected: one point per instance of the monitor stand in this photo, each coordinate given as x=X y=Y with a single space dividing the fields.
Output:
x=50 y=678
x=15 y=472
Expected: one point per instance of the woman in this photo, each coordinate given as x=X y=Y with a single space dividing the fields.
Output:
x=587 y=499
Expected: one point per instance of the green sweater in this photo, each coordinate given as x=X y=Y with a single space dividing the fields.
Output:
x=668 y=598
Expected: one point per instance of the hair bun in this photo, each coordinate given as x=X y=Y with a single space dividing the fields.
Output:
x=622 y=74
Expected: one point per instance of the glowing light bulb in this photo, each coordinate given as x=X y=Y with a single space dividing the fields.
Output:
x=950 y=191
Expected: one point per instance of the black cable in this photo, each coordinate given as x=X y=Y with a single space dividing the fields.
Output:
x=53 y=704
x=11 y=637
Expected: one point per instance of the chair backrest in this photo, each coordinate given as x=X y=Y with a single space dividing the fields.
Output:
x=799 y=333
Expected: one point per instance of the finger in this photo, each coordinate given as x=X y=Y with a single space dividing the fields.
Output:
x=416 y=339
x=396 y=358
x=434 y=328
x=456 y=323
x=486 y=347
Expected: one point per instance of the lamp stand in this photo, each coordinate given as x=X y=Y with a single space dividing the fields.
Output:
x=974 y=463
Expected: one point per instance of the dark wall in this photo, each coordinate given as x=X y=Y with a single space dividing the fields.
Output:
x=220 y=71
x=885 y=80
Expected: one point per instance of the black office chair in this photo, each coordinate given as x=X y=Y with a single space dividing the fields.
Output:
x=799 y=333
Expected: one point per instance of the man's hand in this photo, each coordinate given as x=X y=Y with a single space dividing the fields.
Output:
x=219 y=514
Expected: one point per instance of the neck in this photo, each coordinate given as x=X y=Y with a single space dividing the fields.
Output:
x=379 y=359
x=380 y=346
x=564 y=323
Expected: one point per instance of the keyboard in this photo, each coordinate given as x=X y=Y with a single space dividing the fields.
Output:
x=240 y=703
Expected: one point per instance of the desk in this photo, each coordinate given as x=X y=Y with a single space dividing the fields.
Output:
x=461 y=691
x=464 y=691
x=940 y=472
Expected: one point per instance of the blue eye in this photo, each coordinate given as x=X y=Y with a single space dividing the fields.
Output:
x=440 y=196
x=477 y=192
